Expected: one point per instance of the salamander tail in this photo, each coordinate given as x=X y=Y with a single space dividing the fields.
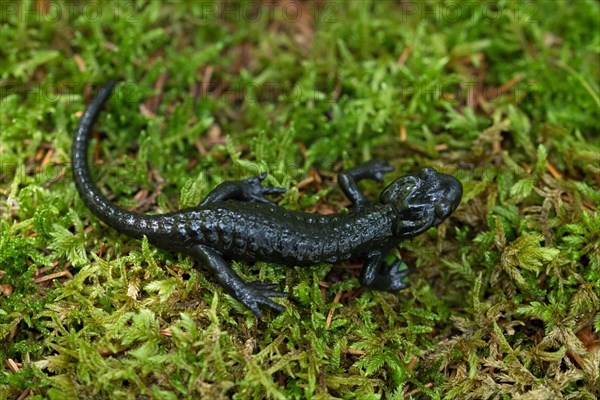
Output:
x=123 y=220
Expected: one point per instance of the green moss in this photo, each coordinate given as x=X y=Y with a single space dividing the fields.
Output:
x=505 y=297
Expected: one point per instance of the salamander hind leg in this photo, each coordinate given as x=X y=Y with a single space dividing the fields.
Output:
x=378 y=275
x=374 y=169
x=249 y=189
x=252 y=295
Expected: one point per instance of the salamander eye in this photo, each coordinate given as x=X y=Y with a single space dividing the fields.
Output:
x=442 y=209
x=428 y=174
x=400 y=189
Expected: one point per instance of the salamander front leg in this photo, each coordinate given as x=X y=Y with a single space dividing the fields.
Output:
x=252 y=295
x=378 y=275
x=348 y=179
x=249 y=189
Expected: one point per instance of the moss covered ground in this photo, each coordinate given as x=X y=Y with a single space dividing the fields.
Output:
x=504 y=298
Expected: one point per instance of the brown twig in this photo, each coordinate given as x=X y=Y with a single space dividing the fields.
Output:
x=53 y=276
x=336 y=300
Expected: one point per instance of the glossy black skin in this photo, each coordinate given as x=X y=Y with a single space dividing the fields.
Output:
x=237 y=222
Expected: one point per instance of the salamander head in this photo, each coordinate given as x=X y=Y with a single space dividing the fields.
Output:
x=421 y=200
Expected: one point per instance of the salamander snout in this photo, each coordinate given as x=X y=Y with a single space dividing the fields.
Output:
x=447 y=196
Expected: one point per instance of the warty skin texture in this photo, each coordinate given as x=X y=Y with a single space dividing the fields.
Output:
x=237 y=222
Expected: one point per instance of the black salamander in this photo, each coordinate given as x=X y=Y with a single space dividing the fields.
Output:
x=237 y=222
